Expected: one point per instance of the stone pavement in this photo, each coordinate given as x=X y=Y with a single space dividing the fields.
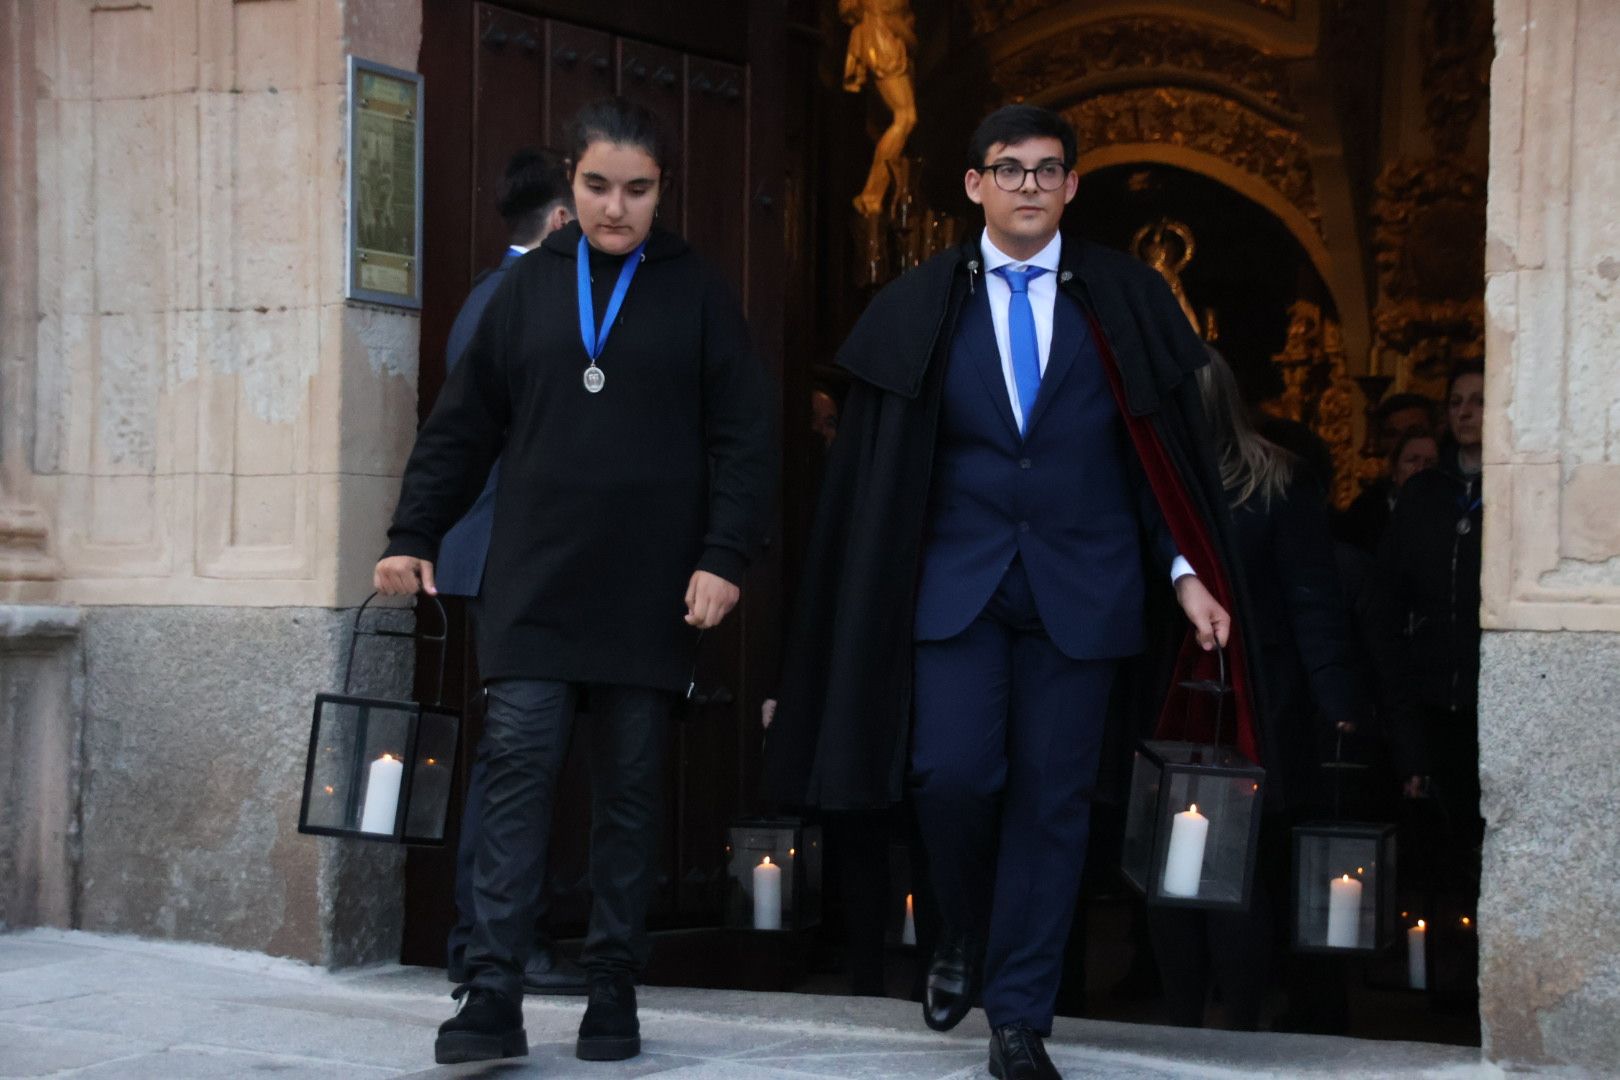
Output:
x=84 y=1005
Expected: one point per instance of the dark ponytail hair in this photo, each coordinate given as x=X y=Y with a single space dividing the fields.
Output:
x=617 y=120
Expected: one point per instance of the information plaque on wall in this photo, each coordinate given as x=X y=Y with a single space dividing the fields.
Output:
x=385 y=185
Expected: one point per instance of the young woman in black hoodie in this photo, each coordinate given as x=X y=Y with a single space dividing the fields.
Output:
x=612 y=375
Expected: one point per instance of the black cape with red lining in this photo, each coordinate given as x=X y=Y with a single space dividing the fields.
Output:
x=841 y=736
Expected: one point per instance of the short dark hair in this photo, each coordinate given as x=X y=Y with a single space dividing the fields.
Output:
x=535 y=183
x=1013 y=124
x=618 y=120
x=1400 y=402
x=1461 y=368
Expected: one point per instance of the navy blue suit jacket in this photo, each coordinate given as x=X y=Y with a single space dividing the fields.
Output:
x=1068 y=497
x=459 y=570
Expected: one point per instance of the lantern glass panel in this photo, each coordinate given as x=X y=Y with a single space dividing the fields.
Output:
x=774 y=874
x=1211 y=820
x=1192 y=825
x=356 y=776
x=1344 y=887
x=436 y=737
x=1141 y=820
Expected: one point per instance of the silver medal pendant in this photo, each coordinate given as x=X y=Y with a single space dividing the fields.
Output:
x=1464 y=527
x=595 y=379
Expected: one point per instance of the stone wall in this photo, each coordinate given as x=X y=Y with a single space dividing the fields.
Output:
x=207 y=421
x=1549 y=924
x=200 y=444
x=196 y=726
x=41 y=691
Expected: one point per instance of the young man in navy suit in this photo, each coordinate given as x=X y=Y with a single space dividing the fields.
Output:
x=535 y=200
x=987 y=549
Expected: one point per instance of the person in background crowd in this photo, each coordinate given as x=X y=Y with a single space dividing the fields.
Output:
x=1399 y=417
x=534 y=201
x=1425 y=610
x=612 y=375
x=1311 y=687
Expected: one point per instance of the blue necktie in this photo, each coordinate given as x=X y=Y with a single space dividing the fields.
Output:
x=1026 y=353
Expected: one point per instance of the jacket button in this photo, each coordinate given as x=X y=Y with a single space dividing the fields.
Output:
x=1023 y=526
x=1023 y=463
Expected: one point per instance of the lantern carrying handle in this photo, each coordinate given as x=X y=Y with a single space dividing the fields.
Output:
x=437 y=639
x=1218 y=687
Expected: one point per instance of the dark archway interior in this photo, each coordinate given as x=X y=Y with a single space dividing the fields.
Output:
x=1247 y=267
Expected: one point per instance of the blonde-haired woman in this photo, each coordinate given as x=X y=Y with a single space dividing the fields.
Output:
x=1311 y=684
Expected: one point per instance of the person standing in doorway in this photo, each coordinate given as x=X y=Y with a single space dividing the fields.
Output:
x=612 y=375
x=1425 y=611
x=534 y=201
x=988 y=545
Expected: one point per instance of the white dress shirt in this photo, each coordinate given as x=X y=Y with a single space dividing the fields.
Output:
x=1042 y=301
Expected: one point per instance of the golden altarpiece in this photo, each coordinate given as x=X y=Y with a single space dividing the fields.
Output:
x=1356 y=127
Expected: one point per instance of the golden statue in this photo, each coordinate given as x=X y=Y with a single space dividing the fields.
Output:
x=881 y=37
x=1168 y=247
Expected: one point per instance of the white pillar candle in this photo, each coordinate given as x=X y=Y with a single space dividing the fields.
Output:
x=767 y=896
x=1344 y=913
x=908 y=932
x=1417 y=963
x=382 y=795
x=1184 y=863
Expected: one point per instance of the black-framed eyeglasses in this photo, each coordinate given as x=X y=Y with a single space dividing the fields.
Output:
x=1010 y=175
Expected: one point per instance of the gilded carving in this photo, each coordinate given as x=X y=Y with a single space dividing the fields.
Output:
x=1428 y=242
x=1207 y=122
x=1455 y=39
x=991 y=15
x=1139 y=43
x=1318 y=392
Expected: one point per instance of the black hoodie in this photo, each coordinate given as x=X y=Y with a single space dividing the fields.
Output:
x=606 y=502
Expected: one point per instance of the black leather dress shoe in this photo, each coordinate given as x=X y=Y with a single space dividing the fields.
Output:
x=949 y=994
x=549 y=973
x=1017 y=1053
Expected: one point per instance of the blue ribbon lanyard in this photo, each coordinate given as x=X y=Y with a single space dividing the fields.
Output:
x=596 y=340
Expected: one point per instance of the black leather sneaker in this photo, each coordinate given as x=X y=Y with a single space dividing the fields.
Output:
x=610 y=1030
x=487 y=1026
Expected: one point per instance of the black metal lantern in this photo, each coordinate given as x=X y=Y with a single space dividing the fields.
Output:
x=773 y=874
x=1192 y=823
x=380 y=769
x=1344 y=887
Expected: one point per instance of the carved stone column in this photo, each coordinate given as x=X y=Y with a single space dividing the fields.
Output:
x=25 y=553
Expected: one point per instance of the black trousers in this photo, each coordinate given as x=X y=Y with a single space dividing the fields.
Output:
x=466 y=857
x=526 y=731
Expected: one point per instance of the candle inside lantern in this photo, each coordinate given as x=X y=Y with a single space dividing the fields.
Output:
x=1417 y=964
x=767 y=896
x=1184 y=863
x=908 y=932
x=382 y=795
x=1344 y=913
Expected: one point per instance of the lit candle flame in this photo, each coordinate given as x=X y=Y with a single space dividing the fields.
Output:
x=1361 y=870
x=1193 y=809
x=1345 y=878
x=330 y=789
x=388 y=757
x=432 y=761
x=767 y=861
x=1422 y=925
x=792 y=852
x=1467 y=921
